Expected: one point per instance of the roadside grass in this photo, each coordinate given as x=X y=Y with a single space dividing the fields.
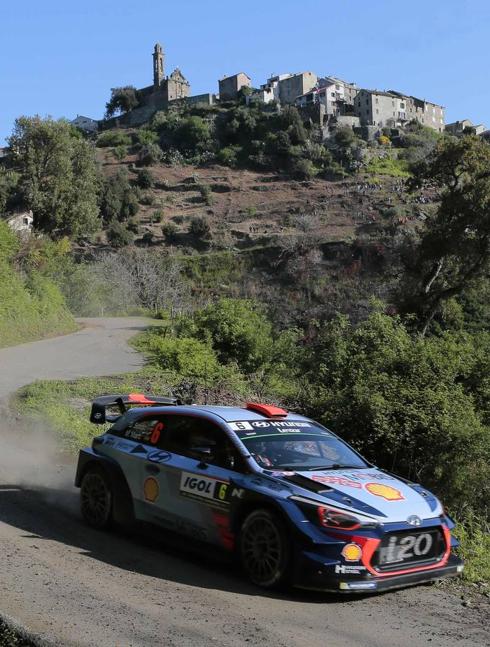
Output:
x=473 y=533
x=65 y=406
x=10 y=637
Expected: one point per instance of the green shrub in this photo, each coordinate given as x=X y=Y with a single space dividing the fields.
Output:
x=147 y=199
x=184 y=355
x=145 y=136
x=169 y=230
x=238 y=331
x=199 y=228
x=120 y=152
x=113 y=138
x=145 y=179
x=229 y=155
x=150 y=155
x=118 y=235
x=206 y=194
x=302 y=169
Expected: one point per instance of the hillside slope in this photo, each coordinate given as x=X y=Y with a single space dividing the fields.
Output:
x=31 y=306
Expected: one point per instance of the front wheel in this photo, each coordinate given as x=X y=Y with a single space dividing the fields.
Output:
x=265 y=549
x=96 y=499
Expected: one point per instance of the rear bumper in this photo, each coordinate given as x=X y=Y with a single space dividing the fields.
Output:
x=325 y=579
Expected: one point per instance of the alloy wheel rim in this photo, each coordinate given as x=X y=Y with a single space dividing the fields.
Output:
x=95 y=499
x=262 y=550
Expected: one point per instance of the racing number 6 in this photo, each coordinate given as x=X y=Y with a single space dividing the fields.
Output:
x=156 y=432
x=222 y=491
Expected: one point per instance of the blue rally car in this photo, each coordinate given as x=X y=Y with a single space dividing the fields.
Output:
x=294 y=502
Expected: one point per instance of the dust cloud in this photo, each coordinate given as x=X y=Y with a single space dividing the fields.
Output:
x=30 y=459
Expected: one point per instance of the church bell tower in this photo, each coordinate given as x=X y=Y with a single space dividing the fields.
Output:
x=158 y=71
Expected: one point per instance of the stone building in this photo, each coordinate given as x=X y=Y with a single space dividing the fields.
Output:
x=21 y=222
x=425 y=112
x=390 y=109
x=288 y=87
x=165 y=88
x=85 y=124
x=465 y=125
x=230 y=86
x=335 y=95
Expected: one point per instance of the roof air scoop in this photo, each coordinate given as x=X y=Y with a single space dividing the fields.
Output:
x=267 y=410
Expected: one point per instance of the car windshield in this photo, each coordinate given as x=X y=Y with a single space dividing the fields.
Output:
x=305 y=448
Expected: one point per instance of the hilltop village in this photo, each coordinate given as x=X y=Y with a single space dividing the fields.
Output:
x=329 y=101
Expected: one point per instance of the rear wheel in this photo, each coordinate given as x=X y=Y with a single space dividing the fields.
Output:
x=96 y=498
x=265 y=549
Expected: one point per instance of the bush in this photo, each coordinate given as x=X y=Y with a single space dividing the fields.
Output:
x=206 y=194
x=145 y=136
x=199 y=227
x=157 y=216
x=113 y=138
x=238 y=331
x=302 y=169
x=118 y=235
x=120 y=152
x=228 y=156
x=147 y=199
x=145 y=179
x=169 y=230
x=150 y=155
x=184 y=355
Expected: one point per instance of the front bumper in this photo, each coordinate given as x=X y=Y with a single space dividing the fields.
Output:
x=314 y=577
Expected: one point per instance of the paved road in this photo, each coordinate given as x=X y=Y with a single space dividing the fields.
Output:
x=74 y=586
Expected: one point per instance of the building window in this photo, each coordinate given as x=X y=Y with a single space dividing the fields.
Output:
x=377 y=100
x=332 y=94
x=377 y=111
x=402 y=105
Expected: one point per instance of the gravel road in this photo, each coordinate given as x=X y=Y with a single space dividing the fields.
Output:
x=72 y=585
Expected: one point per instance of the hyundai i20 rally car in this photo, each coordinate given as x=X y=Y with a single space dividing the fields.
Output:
x=294 y=501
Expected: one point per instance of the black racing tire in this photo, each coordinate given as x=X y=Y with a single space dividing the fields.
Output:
x=265 y=549
x=96 y=498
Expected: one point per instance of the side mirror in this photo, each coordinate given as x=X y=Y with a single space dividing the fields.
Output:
x=202 y=452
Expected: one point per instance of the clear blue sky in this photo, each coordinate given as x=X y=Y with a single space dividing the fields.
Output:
x=61 y=58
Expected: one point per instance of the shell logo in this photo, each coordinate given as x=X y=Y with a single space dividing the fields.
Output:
x=386 y=491
x=151 y=489
x=352 y=552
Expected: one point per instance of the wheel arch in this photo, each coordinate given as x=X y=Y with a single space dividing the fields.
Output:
x=256 y=502
x=122 y=506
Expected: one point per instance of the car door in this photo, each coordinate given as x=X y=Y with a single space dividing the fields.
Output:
x=191 y=477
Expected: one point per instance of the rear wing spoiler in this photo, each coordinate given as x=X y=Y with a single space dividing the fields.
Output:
x=102 y=406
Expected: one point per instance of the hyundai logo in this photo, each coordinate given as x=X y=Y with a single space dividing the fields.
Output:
x=413 y=520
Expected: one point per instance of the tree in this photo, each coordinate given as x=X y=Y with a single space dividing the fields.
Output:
x=118 y=201
x=454 y=250
x=122 y=100
x=59 y=180
x=410 y=404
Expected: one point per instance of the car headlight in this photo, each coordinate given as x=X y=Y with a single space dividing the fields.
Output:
x=332 y=518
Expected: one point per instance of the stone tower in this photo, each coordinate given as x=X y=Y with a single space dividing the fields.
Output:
x=158 y=70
